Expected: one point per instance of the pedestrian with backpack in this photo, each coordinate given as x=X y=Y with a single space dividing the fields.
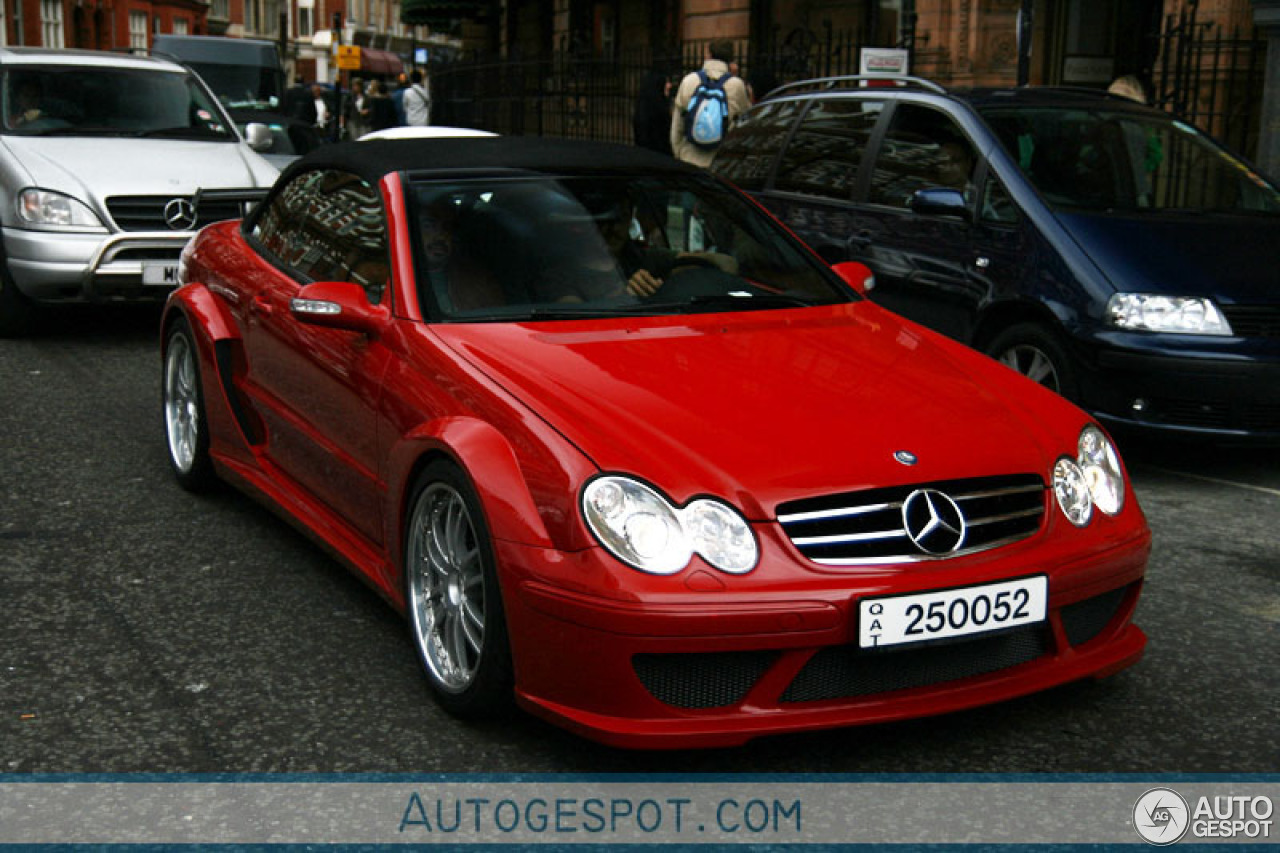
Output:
x=707 y=103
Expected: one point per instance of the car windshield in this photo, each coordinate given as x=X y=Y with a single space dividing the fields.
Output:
x=247 y=86
x=1115 y=160
x=564 y=248
x=79 y=101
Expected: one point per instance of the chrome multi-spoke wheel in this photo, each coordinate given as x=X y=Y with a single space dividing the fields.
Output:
x=455 y=611
x=183 y=404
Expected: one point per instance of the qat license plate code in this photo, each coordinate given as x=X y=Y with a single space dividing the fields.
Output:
x=897 y=620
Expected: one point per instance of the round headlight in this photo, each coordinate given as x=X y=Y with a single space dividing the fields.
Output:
x=642 y=529
x=636 y=524
x=1072 y=491
x=1101 y=466
x=721 y=536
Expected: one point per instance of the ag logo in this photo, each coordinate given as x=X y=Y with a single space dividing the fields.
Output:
x=1161 y=816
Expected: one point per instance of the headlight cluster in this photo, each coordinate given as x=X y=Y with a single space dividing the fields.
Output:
x=47 y=209
x=1092 y=479
x=644 y=530
x=1151 y=312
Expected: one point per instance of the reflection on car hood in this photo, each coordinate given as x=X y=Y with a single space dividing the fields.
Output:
x=764 y=407
x=1229 y=257
x=98 y=167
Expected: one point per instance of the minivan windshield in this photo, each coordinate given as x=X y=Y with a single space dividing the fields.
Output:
x=1115 y=160
x=553 y=248
x=50 y=100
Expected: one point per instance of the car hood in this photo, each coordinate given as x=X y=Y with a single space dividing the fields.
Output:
x=93 y=169
x=771 y=406
x=1228 y=257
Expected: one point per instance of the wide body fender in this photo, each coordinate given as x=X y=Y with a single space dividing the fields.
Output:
x=489 y=462
x=218 y=346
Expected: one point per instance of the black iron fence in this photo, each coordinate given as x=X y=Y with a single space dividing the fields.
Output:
x=1211 y=78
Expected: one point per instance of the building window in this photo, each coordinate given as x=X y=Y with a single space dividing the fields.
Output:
x=181 y=27
x=138 y=30
x=156 y=26
x=220 y=9
x=51 y=23
x=306 y=28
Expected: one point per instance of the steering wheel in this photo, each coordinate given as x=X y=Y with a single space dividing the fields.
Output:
x=693 y=261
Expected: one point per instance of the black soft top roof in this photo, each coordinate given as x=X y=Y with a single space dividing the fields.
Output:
x=375 y=158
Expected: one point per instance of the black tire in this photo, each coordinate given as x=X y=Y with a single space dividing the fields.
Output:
x=1039 y=354
x=17 y=312
x=452 y=598
x=182 y=406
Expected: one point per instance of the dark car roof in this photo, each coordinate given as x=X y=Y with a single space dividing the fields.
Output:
x=373 y=159
x=979 y=98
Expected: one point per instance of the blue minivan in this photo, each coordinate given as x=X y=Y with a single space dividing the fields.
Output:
x=1106 y=249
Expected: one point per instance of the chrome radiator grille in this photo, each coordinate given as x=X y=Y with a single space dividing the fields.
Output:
x=916 y=522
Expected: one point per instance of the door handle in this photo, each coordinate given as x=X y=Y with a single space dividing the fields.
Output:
x=262 y=306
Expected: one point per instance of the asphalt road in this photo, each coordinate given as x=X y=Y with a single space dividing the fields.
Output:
x=145 y=629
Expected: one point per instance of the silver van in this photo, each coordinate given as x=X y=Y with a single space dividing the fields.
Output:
x=108 y=165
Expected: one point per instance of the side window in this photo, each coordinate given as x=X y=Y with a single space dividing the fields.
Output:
x=746 y=156
x=998 y=206
x=922 y=148
x=827 y=148
x=328 y=226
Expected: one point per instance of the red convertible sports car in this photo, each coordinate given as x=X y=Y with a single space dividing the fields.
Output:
x=623 y=449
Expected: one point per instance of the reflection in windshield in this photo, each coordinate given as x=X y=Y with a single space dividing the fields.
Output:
x=66 y=101
x=1101 y=160
x=575 y=247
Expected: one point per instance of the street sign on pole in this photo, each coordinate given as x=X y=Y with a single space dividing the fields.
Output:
x=348 y=57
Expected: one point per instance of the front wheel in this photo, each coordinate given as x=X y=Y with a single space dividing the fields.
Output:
x=1038 y=354
x=186 y=432
x=456 y=617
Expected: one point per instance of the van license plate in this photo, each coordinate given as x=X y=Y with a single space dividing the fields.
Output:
x=160 y=273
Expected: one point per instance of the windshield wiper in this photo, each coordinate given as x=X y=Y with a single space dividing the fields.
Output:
x=181 y=132
x=734 y=301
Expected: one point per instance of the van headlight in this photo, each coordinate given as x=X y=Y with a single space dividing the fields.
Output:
x=1152 y=312
x=1092 y=479
x=47 y=209
x=643 y=529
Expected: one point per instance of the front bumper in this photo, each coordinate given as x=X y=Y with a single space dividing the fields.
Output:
x=1231 y=391
x=718 y=669
x=51 y=266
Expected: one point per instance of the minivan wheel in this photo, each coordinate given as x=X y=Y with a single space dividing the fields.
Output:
x=1037 y=354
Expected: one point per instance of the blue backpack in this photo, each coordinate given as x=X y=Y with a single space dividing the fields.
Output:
x=707 y=116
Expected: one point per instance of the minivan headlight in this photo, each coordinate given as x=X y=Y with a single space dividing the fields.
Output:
x=47 y=209
x=1152 y=312
x=643 y=529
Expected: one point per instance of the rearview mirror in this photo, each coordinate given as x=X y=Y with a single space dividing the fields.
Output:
x=338 y=305
x=857 y=275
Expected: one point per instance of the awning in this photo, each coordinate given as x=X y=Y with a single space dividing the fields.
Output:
x=377 y=61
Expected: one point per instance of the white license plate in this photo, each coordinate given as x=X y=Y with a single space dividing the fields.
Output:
x=922 y=616
x=160 y=273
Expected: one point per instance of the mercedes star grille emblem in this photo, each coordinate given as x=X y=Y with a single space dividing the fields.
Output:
x=933 y=521
x=180 y=214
